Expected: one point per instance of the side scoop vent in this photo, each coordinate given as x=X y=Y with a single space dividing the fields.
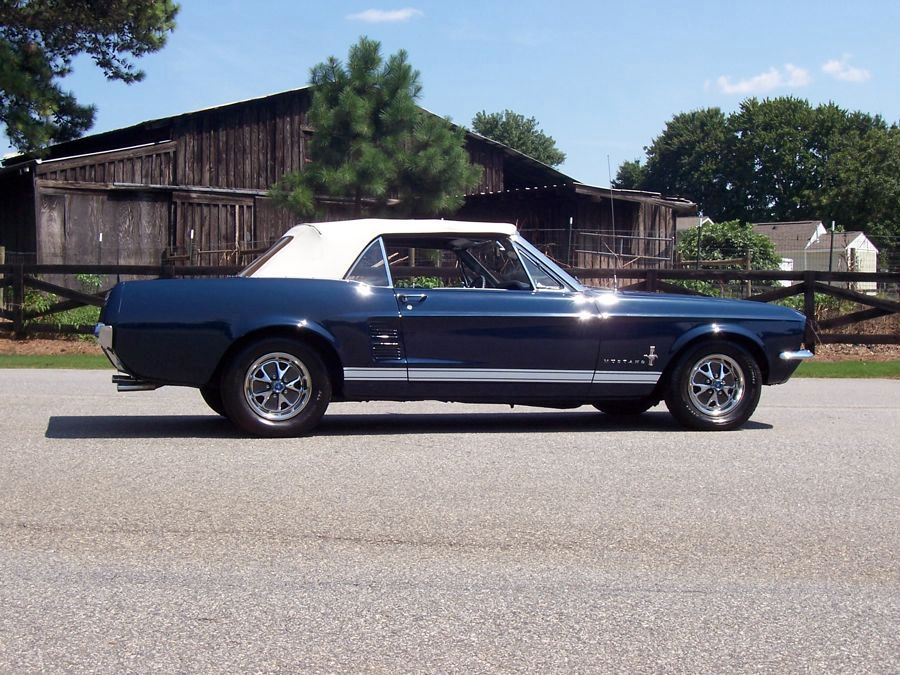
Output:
x=385 y=342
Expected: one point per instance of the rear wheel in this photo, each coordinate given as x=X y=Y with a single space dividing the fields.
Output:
x=213 y=397
x=276 y=387
x=714 y=386
x=625 y=407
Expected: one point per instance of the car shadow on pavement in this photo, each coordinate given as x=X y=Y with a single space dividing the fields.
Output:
x=211 y=426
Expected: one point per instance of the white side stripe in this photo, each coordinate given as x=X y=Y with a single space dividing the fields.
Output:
x=503 y=375
x=375 y=374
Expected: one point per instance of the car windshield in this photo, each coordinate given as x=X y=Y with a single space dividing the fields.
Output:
x=546 y=262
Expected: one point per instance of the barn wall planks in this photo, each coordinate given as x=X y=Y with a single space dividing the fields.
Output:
x=146 y=187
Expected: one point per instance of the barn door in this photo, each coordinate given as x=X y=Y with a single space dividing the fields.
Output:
x=211 y=230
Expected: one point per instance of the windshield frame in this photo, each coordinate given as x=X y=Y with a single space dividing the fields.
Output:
x=551 y=267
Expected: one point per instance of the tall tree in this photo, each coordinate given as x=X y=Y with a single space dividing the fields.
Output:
x=630 y=176
x=519 y=132
x=39 y=39
x=687 y=159
x=782 y=159
x=373 y=144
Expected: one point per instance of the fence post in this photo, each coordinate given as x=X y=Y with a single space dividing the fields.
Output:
x=18 y=301
x=2 y=290
x=650 y=283
x=809 y=308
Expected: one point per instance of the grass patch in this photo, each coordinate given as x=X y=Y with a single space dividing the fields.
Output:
x=78 y=361
x=863 y=369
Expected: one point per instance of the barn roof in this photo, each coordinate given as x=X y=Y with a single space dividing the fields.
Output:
x=522 y=170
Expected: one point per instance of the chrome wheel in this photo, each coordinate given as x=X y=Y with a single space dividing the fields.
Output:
x=716 y=385
x=277 y=386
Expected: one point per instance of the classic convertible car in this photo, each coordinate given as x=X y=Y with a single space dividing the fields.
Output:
x=434 y=309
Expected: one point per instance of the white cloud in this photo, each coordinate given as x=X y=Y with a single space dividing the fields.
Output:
x=386 y=15
x=840 y=69
x=774 y=78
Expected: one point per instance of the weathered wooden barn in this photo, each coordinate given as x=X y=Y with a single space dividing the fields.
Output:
x=193 y=188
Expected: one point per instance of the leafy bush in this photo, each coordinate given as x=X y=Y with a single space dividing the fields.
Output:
x=40 y=301
x=419 y=282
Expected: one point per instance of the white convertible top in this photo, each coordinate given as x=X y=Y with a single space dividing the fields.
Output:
x=327 y=250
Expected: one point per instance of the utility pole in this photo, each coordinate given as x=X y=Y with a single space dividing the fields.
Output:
x=699 y=236
x=831 y=248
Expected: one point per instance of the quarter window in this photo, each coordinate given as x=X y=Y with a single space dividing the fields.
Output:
x=370 y=268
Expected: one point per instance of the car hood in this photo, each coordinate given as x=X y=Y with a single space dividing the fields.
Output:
x=672 y=304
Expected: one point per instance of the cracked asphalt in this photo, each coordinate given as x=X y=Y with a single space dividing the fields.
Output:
x=139 y=532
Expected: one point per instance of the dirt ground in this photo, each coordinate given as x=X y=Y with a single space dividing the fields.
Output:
x=89 y=346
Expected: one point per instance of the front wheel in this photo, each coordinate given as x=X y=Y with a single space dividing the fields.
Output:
x=714 y=386
x=276 y=387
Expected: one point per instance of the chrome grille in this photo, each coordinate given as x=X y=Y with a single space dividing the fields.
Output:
x=385 y=342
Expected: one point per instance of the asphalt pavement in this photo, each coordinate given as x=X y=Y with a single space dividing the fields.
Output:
x=139 y=532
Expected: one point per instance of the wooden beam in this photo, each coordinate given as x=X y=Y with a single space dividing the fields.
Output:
x=854 y=317
x=861 y=298
x=778 y=294
x=859 y=339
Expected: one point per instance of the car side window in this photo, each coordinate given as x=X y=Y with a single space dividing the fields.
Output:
x=458 y=261
x=543 y=280
x=369 y=268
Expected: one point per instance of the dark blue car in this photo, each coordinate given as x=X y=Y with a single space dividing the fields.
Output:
x=433 y=309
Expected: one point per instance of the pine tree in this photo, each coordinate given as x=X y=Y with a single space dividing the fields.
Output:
x=39 y=39
x=374 y=145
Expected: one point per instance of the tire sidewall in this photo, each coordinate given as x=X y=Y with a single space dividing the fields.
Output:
x=678 y=398
x=239 y=411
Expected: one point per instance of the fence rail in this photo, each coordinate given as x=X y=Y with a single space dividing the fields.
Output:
x=15 y=318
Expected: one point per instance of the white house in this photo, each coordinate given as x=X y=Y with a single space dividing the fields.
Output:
x=809 y=245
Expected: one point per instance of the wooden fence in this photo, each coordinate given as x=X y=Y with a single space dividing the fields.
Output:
x=15 y=318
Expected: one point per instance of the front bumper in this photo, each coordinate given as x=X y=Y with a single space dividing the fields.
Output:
x=798 y=355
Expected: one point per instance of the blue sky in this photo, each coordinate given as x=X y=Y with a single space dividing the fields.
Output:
x=601 y=78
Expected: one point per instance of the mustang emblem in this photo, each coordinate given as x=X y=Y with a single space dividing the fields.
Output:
x=652 y=356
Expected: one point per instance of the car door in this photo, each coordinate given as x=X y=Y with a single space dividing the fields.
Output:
x=504 y=344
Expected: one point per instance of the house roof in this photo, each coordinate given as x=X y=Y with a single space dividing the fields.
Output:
x=790 y=235
x=843 y=241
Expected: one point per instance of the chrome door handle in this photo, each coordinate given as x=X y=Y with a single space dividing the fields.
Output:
x=412 y=297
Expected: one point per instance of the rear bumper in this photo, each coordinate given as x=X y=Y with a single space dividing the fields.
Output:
x=104 y=336
x=122 y=380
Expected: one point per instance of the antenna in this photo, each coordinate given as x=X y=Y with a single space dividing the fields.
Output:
x=612 y=211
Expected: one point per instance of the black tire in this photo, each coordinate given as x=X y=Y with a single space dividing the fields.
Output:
x=714 y=386
x=276 y=367
x=213 y=398
x=625 y=407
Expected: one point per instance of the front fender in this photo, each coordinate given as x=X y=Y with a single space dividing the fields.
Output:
x=715 y=330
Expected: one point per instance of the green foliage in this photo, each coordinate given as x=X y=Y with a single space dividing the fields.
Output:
x=826 y=305
x=630 y=175
x=419 y=282
x=519 y=132
x=781 y=159
x=373 y=144
x=730 y=239
x=687 y=159
x=40 y=301
x=699 y=286
x=40 y=38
